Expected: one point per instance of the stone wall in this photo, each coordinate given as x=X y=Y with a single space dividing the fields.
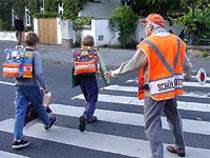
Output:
x=198 y=51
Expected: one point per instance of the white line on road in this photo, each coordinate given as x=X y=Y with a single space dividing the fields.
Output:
x=98 y=141
x=192 y=106
x=7 y=83
x=190 y=126
x=10 y=155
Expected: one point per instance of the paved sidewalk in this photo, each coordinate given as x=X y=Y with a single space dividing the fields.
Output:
x=112 y=57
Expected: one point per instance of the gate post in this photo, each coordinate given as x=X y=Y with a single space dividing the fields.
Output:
x=67 y=33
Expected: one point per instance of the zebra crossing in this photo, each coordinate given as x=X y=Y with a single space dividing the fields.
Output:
x=124 y=95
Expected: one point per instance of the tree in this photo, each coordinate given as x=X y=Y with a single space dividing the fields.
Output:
x=125 y=21
x=19 y=7
x=163 y=7
x=197 y=24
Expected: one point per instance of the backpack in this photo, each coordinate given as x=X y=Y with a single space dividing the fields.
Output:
x=18 y=62
x=86 y=61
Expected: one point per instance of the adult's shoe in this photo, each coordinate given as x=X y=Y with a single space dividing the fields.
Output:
x=172 y=149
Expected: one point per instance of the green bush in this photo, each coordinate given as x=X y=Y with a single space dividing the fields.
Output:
x=124 y=21
x=205 y=54
x=29 y=28
x=197 y=29
x=82 y=21
x=47 y=15
x=79 y=21
x=4 y=26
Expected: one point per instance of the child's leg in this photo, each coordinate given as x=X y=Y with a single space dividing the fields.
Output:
x=35 y=96
x=91 y=87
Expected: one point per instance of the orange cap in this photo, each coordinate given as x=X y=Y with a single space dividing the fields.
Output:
x=155 y=18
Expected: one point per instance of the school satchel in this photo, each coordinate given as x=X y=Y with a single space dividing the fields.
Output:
x=18 y=62
x=86 y=61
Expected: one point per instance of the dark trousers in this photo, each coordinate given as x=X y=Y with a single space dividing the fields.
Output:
x=89 y=87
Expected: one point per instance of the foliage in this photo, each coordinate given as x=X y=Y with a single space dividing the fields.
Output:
x=29 y=28
x=4 y=26
x=34 y=6
x=125 y=21
x=82 y=21
x=46 y=15
x=163 y=7
x=19 y=7
x=205 y=54
x=72 y=8
x=197 y=29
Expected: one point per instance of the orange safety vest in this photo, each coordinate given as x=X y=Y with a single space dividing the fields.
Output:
x=18 y=63
x=165 y=59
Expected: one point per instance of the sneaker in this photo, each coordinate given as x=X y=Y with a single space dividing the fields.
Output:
x=92 y=119
x=17 y=144
x=53 y=121
x=82 y=125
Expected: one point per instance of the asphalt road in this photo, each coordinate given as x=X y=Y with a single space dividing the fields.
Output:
x=57 y=63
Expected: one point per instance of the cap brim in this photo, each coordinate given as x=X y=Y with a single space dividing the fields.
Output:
x=143 y=21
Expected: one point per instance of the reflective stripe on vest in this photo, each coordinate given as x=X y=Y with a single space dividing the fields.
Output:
x=166 y=85
x=85 y=67
x=11 y=70
x=170 y=81
x=27 y=70
x=28 y=64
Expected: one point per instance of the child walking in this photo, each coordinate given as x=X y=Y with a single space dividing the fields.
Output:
x=28 y=90
x=89 y=86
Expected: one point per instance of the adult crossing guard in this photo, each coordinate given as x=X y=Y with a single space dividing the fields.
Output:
x=161 y=60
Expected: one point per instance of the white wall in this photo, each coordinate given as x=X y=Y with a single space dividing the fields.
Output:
x=36 y=25
x=100 y=31
x=99 y=28
x=59 y=31
x=8 y=35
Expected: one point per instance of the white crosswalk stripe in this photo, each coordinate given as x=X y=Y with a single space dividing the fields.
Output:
x=10 y=155
x=116 y=144
x=202 y=107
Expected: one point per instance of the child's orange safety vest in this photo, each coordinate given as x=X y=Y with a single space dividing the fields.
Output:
x=18 y=63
